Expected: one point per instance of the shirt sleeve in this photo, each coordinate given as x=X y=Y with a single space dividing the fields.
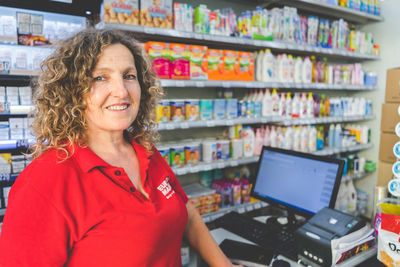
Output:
x=34 y=232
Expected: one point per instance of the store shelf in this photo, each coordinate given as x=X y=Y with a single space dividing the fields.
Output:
x=15 y=144
x=272 y=119
x=245 y=207
x=253 y=84
x=318 y=7
x=333 y=150
x=168 y=35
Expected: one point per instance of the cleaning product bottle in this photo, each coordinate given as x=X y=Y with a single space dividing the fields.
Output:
x=304 y=139
x=312 y=139
x=267 y=104
x=260 y=67
x=280 y=139
x=257 y=99
x=273 y=137
x=331 y=136
x=248 y=141
x=325 y=70
x=267 y=136
x=314 y=71
x=320 y=138
x=296 y=106
x=310 y=106
x=297 y=139
x=278 y=68
x=351 y=196
x=258 y=142
x=289 y=105
x=322 y=106
x=316 y=106
x=342 y=198
x=338 y=136
x=290 y=69
x=307 y=71
x=282 y=105
x=256 y=66
x=303 y=106
x=275 y=103
x=284 y=69
x=327 y=107
x=269 y=65
x=298 y=65
x=288 y=138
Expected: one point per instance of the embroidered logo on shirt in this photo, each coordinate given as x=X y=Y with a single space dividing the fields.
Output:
x=166 y=188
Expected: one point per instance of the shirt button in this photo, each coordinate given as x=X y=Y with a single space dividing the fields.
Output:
x=132 y=189
x=118 y=173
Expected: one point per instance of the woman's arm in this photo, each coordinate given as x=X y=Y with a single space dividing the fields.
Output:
x=196 y=232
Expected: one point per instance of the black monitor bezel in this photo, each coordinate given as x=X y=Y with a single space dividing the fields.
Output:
x=288 y=207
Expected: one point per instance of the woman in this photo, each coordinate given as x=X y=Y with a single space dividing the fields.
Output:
x=98 y=193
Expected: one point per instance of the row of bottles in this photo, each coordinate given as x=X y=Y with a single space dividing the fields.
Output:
x=287 y=68
x=259 y=103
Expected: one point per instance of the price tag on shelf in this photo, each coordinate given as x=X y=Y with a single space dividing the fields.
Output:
x=264 y=120
x=226 y=84
x=249 y=208
x=207 y=167
x=210 y=123
x=149 y=30
x=229 y=122
x=170 y=126
x=249 y=85
x=206 y=219
x=199 y=84
x=221 y=165
x=241 y=210
x=181 y=171
x=257 y=205
x=184 y=125
x=194 y=169
x=198 y=36
x=234 y=163
x=180 y=84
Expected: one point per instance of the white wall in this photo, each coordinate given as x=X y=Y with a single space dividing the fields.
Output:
x=387 y=34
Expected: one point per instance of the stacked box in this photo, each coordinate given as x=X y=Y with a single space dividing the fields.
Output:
x=156 y=13
x=122 y=12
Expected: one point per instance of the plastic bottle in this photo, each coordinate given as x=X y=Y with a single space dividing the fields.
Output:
x=273 y=137
x=289 y=105
x=327 y=107
x=303 y=106
x=312 y=139
x=267 y=136
x=351 y=196
x=321 y=106
x=298 y=66
x=296 y=106
x=288 y=139
x=236 y=192
x=364 y=134
x=278 y=68
x=269 y=66
x=280 y=139
x=320 y=138
x=297 y=139
x=316 y=106
x=258 y=142
x=310 y=106
x=342 y=198
x=256 y=66
x=307 y=71
x=282 y=105
x=331 y=136
x=257 y=99
x=267 y=104
x=248 y=141
x=338 y=136
x=275 y=102
x=260 y=66
x=290 y=68
x=314 y=71
x=284 y=69
x=304 y=139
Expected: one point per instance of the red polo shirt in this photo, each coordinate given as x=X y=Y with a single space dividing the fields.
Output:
x=85 y=212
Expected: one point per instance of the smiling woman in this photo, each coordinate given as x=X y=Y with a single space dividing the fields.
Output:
x=98 y=193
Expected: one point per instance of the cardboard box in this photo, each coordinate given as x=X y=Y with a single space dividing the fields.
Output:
x=156 y=13
x=393 y=85
x=386 y=147
x=122 y=12
x=390 y=117
x=384 y=173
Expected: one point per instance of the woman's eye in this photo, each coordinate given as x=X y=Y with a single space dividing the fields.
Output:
x=99 y=78
x=130 y=77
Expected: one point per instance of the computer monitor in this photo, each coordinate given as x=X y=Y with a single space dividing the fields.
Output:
x=299 y=182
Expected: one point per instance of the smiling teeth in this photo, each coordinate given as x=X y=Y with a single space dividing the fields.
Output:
x=118 y=107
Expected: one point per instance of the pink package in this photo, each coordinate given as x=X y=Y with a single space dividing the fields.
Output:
x=180 y=61
x=158 y=53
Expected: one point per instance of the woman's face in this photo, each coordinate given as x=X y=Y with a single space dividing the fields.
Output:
x=113 y=101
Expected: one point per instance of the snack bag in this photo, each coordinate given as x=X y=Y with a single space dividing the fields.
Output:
x=388 y=240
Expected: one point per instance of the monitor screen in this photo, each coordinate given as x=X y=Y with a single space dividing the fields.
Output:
x=303 y=182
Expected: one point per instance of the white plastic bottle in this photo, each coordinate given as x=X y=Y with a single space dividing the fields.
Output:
x=351 y=197
x=310 y=106
x=267 y=104
x=282 y=105
x=296 y=139
x=312 y=139
x=331 y=136
x=342 y=199
x=284 y=71
x=275 y=102
x=298 y=65
x=258 y=142
x=278 y=68
x=269 y=65
x=296 y=106
x=364 y=134
x=307 y=70
x=289 y=105
x=257 y=99
x=267 y=136
x=304 y=139
x=280 y=139
x=303 y=106
x=260 y=67
x=338 y=136
x=248 y=141
x=288 y=139
x=290 y=61
x=256 y=65
x=273 y=137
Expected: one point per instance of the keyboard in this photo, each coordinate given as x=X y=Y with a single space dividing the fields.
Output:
x=265 y=235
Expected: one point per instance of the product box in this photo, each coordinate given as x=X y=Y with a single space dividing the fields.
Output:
x=28 y=130
x=183 y=17
x=386 y=147
x=201 y=19
x=393 y=85
x=215 y=64
x=25 y=95
x=12 y=95
x=230 y=59
x=177 y=110
x=219 y=109
x=16 y=128
x=163 y=111
x=5 y=163
x=206 y=109
x=231 y=108
x=192 y=109
x=4 y=130
x=156 y=13
x=159 y=56
x=122 y=12
x=390 y=117
x=245 y=68
x=177 y=153
x=17 y=163
x=384 y=173
x=180 y=61
x=198 y=62
x=192 y=151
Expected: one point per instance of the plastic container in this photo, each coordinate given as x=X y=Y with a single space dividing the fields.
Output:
x=209 y=150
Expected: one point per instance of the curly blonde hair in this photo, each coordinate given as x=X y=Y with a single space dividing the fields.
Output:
x=66 y=77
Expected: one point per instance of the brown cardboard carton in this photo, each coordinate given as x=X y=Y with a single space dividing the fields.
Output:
x=390 y=117
x=384 y=173
x=393 y=85
x=386 y=147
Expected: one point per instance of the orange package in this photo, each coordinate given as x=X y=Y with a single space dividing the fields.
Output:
x=230 y=59
x=245 y=68
x=198 y=62
x=159 y=56
x=215 y=65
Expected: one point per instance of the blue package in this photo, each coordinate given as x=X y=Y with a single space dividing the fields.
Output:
x=219 y=109
x=231 y=108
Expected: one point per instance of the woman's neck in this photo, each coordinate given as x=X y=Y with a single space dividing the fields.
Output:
x=108 y=143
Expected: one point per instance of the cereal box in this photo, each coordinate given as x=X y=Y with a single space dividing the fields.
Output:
x=156 y=13
x=122 y=11
x=180 y=64
x=163 y=111
x=198 y=62
x=159 y=55
x=245 y=68
x=215 y=64
x=230 y=60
